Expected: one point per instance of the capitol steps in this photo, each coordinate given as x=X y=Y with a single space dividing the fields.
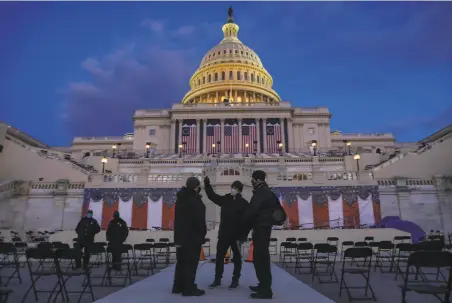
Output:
x=433 y=159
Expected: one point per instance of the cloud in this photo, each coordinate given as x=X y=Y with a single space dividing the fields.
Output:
x=185 y=30
x=157 y=26
x=138 y=75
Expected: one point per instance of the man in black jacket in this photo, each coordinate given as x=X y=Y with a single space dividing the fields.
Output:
x=86 y=229
x=259 y=217
x=233 y=208
x=189 y=235
x=117 y=233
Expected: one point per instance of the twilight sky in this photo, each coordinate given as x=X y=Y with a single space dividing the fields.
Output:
x=81 y=68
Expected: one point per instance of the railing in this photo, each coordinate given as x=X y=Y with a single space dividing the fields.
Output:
x=231 y=104
x=49 y=154
x=406 y=182
x=112 y=138
x=7 y=186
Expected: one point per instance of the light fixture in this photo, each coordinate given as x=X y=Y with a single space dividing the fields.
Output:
x=348 y=143
x=148 y=146
x=314 y=144
x=180 y=145
x=114 y=146
x=247 y=145
x=104 y=160
x=280 y=145
x=357 y=157
x=213 y=145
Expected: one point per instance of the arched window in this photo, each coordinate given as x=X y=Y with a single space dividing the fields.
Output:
x=223 y=76
x=199 y=81
x=230 y=75
x=230 y=172
x=257 y=79
x=238 y=76
x=245 y=76
x=216 y=77
x=204 y=80
x=252 y=77
x=209 y=78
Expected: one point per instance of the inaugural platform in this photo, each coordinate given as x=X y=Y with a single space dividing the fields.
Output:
x=157 y=288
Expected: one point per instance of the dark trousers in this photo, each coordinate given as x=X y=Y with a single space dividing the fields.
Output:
x=86 y=255
x=261 y=257
x=116 y=253
x=222 y=247
x=186 y=267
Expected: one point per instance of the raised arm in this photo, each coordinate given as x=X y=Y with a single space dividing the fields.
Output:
x=214 y=197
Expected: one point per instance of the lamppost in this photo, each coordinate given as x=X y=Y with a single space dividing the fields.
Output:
x=119 y=148
x=255 y=147
x=180 y=150
x=219 y=148
x=357 y=157
x=104 y=161
x=184 y=148
x=246 y=148
x=348 y=145
x=280 y=148
x=148 y=146
x=314 y=147
x=114 y=150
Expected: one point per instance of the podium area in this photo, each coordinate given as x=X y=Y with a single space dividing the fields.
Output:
x=157 y=288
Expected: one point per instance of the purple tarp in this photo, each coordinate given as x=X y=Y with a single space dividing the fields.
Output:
x=407 y=226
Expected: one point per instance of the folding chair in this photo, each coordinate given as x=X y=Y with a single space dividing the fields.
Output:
x=288 y=254
x=291 y=239
x=71 y=255
x=332 y=241
x=21 y=248
x=123 y=250
x=345 y=245
x=37 y=271
x=206 y=246
x=402 y=252
x=305 y=254
x=324 y=255
x=144 y=258
x=428 y=260
x=369 y=239
x=350 y=255
x=9 y=259
x=273 y=247
x=301 y=240
x=161 y=254
x=401 y=239
x=384 y=257
x=97 y=259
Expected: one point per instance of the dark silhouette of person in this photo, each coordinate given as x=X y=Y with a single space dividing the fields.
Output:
x=86 y=229
x=233 y=208
x=117 y=233
x=259 y=218
x=189 y=235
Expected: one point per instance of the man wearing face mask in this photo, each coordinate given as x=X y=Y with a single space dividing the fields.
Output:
x=86 y=229
x=233 y=207
x=117 y=233
x=259 y=218
x=189 y=234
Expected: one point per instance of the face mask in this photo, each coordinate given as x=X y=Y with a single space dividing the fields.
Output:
x=89 y=215
x=233 y=191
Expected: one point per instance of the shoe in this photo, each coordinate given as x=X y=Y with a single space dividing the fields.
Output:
x=254 y=288
x=176 y=291
x=215 y=283
x=234 y=284
x=261 y=295
x=194 y=293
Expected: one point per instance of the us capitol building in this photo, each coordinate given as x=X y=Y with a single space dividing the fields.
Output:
x=230 y=123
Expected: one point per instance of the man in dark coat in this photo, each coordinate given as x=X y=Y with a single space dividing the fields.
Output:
x=189 y=235
x=86 y=229
x=233 y=208
x=117 y=233
x=259 y=217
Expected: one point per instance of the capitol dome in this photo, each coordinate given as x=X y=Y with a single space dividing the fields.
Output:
x=231 y=71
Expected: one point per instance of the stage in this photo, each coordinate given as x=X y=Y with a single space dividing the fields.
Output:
x=157 y=288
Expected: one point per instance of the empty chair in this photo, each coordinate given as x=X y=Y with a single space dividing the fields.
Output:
x=288 y=253
x=273 y=247
x=384 y=257
x=206 y=246
x=144 y=258
x=332 y=240
x=305 y=256
x=9 y=259
x=324 y=262
x=301 y=240
x=350 y=267
x=369 y=239
x=291 y=239
x=428 y=260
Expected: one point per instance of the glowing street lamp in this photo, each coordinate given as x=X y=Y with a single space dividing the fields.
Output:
x=114 y=147
x=357 y=157
x=104 y=161
x=314 y=147
x=280 y=148
x=147 y=146
x=246 y=148
x=348 y=144
x=180 y=150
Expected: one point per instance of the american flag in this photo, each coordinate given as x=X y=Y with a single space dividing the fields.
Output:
x=273 y=133
x=248 y=137
x=213 y=135
x=189 y=139
x=231 y=139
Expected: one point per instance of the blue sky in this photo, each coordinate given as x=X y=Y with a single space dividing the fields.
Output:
x=81 y=68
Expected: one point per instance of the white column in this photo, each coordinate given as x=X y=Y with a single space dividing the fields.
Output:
x=197 y=137
x=265 y=135
x=204 y=125
x=290 y=140
x=283 y=134
x=172 y=136
x=181 y=121
x=258 y=136
x=222 y=136
x=240 y=137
